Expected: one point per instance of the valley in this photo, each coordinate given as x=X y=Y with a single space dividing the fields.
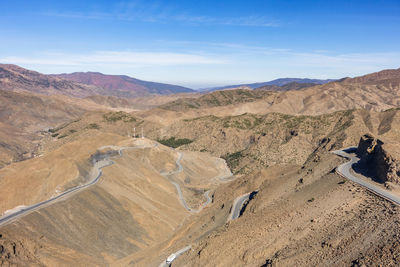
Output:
x=227 y=178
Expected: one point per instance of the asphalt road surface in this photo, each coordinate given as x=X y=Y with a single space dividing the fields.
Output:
x=344 y=170
x=179 y=190
x=98 y=165
x=177 y=254
x=237 y=206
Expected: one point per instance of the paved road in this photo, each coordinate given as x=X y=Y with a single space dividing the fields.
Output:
x=181 y=198
x=179 y=190
x=177 y=254
x=98 y=165
x=344 y=170
x=237 y=206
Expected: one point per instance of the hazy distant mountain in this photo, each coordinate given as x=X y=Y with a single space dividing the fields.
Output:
x=278 y=82
x=81 y=84
x=376 y=91
x=286 y=87
x=123 y=86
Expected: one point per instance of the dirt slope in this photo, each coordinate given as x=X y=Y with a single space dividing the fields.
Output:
x=376 y=92
x=127 y=211
x=319 y=221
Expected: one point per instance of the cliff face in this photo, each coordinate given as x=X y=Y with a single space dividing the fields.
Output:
x=377 y=157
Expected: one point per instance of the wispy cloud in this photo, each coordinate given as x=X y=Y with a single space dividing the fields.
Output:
x=247 y=21
x=133 y=59
x=224 y=63
x=251 y=21
x=157 y=13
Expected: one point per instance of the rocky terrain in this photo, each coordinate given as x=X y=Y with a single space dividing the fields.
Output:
x=277 y=144
x=376 y=94
x=382 y=157
x=127 y=211
x=216 y=99
x=300 y=219
x=286 y=87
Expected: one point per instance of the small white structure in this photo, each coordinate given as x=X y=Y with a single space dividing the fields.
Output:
x=170 y=259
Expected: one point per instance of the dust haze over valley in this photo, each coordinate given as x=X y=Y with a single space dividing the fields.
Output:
x=103 y=167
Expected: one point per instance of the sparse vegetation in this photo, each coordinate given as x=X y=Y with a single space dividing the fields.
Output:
x=54 y=134
x=172 y=142
x=93 y=126
x=54 y=130
x=118 y=116
x=72 y=131
x=62 y=136
x=233 y=159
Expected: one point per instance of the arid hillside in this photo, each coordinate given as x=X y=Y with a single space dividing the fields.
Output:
x=277 y=82
x=174 y=188
x=23 y=119
x=385 y=77
x=127 y=211
x=216 y=99
x=286 y=87
x=376 y=92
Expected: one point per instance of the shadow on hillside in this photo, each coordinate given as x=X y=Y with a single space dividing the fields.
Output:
x=350 y=150
x=367 y=170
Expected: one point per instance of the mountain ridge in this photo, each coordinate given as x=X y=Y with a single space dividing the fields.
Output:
x=277 y=82
x=123 y=85
x=16 y=78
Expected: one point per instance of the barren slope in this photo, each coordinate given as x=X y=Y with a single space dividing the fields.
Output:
x=376 y=92
x=127 y=211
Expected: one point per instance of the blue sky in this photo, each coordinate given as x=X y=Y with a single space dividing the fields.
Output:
x=202 y=43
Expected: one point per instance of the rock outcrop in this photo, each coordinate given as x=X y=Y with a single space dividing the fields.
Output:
x=384 y=166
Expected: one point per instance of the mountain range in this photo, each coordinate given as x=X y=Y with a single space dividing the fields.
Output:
x=276 y=82
x=122 y=85
x=84 y=84
x=15 y=78
x=276 y=140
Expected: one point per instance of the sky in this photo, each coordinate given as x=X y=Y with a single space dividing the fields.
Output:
x=203 y=43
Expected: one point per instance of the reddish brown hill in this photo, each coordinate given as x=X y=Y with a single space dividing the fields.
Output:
x=15 y=78
x=384 y=77
x=123 y=86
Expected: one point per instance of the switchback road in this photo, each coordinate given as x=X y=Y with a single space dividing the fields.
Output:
x=344 y=170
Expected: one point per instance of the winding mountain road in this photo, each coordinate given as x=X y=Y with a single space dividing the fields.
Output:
x=237 y=206
x=174 y=256
x=344 y=171
x=181 y=198
x=179 y=190
x=97 y=168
